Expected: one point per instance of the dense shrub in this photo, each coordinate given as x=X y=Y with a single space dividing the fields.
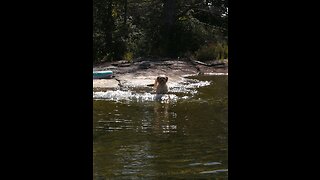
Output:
x=212 y=51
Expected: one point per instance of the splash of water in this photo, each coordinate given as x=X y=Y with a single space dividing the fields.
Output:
x=119 y=95
x=188 y=88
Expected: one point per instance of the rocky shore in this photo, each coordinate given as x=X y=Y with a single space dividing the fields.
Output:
x=142 y=72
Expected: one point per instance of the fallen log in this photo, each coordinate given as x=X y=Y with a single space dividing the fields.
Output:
x=205 y=64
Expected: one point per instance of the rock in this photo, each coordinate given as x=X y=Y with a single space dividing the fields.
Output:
x=145 y=65
x=105 y=83
x=110 y=67
x=124 y=65
x=118 y=63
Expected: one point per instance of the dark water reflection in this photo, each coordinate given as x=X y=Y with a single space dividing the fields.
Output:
x=182 y=139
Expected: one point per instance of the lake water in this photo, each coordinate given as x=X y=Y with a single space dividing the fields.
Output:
x=182 y=135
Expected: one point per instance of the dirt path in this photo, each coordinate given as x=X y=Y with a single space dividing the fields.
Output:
x=141 y=72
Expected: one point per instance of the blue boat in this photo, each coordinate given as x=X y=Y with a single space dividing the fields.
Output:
x=102 y=74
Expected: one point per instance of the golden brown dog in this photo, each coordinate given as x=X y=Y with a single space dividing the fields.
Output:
x=160 y=85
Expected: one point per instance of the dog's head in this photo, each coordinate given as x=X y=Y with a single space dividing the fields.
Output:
x=162 y=79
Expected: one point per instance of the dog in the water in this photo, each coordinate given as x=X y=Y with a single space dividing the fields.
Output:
x=160 y=85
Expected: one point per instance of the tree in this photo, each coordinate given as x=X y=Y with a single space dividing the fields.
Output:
x=166 y=28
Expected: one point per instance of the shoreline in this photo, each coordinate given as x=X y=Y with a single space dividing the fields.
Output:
x=141 y=72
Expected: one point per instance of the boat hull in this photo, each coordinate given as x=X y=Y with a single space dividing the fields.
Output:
x=102 y=74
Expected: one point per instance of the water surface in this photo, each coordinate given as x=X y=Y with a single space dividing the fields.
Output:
x=182 y=136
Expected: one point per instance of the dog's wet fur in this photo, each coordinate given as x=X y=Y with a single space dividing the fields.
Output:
x=160 y=85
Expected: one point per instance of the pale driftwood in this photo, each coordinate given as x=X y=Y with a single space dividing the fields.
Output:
x=205 y=64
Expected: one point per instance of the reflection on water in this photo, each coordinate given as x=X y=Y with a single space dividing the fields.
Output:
x=182 y=138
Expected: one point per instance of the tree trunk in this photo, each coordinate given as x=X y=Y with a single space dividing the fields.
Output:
x=169 y=15
x=169 y=12
x=125 y=11
x=108 y=27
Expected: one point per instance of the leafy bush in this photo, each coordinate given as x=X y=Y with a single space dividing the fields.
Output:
x=128 y=56
x=213 y=51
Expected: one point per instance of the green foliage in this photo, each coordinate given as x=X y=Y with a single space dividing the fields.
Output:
x=128 y=56
x=135 y=28
x=213 y=51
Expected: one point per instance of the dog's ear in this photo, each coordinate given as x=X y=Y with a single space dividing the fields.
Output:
x=166 y=79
